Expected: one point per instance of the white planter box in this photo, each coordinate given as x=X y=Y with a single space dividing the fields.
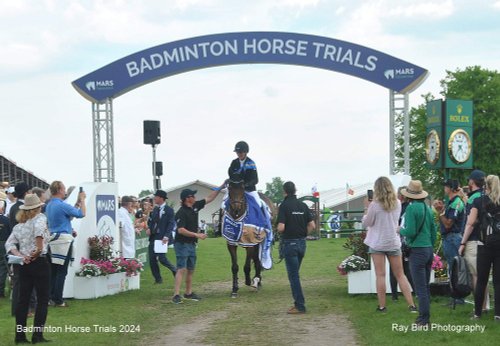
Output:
x=359 y=282
x=365 y=281
x=100 y=286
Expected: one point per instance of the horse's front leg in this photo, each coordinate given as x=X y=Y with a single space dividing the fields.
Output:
x=257 y=279
x=247 y=266
x=234 y=268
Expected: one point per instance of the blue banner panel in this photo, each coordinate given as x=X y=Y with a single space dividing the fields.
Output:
x=106 y=215
x=200 y=52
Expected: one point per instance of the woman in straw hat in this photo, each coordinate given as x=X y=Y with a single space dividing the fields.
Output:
x=420 y=232
x=28 y=240
x=381 y=220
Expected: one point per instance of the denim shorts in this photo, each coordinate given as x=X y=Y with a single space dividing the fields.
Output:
x=185 y=254
x=396 y=252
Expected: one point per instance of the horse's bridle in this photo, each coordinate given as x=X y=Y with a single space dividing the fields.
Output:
x=237 y=204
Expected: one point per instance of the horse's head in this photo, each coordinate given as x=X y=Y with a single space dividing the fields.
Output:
x=237 y=201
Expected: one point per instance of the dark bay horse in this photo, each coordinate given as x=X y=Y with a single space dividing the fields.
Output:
x=237 y=209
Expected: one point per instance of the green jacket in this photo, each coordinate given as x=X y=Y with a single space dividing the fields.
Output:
x=413 y=217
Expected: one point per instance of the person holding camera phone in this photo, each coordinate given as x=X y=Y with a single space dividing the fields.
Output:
x=381 y=221
x=451 y=220
x=59 y=215
x=142 y=215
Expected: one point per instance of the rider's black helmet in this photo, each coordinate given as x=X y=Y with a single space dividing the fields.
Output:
x=241 y=147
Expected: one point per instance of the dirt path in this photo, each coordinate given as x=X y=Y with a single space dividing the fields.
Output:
x=332 y=329
x=192 y=334
x=273 y=326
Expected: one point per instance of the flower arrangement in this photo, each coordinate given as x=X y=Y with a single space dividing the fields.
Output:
x=102 y=262
x=92 y=268
x=100 y=248
x=352 y=263
x=359 y=260
x=438 y=267
x=355 y=243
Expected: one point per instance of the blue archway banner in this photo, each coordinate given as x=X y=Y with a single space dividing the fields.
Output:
x=200 y=52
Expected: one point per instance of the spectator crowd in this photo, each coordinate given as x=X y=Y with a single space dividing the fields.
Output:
x=403 y=226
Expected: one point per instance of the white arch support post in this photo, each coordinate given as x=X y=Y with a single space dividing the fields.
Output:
x=399 y=131
x=102 y=127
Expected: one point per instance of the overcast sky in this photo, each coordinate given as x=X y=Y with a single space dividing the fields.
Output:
x=303 y=124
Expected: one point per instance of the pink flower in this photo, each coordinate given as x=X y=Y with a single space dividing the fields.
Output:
x=437 y=263
x=113 y=265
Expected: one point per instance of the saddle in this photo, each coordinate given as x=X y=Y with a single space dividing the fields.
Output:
x=251 y=236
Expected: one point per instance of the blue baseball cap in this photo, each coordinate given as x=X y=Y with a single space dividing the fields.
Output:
x=477 y=175
x=186 y=193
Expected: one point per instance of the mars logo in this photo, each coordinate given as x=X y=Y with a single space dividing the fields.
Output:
x=389 y=74
x=90 y=86
x=99 y=85
x=399 y=73
x=106 y=215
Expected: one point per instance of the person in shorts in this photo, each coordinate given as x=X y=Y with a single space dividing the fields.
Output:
x=381 y=220
x=185 y=241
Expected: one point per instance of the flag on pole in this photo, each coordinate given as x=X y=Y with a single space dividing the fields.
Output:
x=314 y=190
x=348 y=189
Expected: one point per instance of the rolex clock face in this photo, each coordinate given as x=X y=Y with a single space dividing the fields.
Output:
x=459 y=146
x=432 y=145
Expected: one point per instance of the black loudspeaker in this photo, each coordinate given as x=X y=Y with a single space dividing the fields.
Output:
x=158 y=168
x=152 y=132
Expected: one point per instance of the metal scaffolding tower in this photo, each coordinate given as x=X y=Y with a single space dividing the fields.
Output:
x=102 y=127
x=399 y=131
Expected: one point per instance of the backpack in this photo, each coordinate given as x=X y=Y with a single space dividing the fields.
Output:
x=490 y=226
x=460 y=278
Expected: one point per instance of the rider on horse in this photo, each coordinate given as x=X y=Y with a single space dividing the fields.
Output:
x=246 y=221
x=244 y=168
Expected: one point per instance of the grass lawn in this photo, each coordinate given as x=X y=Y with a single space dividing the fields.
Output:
x=147 y=316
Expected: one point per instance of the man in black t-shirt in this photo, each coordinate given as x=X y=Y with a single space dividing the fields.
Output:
x=185 y=241
x=294 y=223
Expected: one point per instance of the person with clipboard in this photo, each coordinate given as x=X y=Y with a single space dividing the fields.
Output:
x=161 y=224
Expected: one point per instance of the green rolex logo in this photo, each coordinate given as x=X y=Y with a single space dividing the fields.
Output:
x=459 y=109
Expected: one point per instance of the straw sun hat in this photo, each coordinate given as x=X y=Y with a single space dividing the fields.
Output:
x=414 y=190
x=31 y=201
